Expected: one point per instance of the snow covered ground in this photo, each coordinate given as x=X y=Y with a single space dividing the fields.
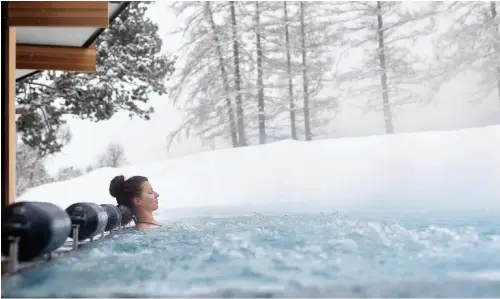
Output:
x=426 y=171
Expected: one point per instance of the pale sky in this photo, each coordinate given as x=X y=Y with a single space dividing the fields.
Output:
x=145 y=141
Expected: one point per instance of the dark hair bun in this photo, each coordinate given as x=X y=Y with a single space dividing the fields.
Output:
x=116 y=185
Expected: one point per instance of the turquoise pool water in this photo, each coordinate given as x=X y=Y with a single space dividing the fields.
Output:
x=283 y=256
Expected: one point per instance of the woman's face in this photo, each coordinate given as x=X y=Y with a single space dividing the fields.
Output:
x=149 y=198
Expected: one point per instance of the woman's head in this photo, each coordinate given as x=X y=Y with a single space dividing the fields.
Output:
x=135 y=193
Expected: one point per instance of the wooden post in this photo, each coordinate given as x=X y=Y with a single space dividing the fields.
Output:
x=9 y=116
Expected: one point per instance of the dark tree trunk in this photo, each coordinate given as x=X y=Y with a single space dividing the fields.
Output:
x=237 y=80
x=229 y=104
x=290 y=80
x=260 y=84
x=305 y=78
x=389 y=128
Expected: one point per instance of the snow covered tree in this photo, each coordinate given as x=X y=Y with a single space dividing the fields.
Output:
x=113 y=156
x=130 y=67
x=223 y=73
x=203 y=85
x=390 y=73
x=305 y=78
x=30 y=169
x=289 y=36
x=291 y=99
x=471 y=43
x=68 y=173
x=240 y=121
x=241 y=61
x=260 y=83
x=254 y=73
x=212 y=88
x=90 y=168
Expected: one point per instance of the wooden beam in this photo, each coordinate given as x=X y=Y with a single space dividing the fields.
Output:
x=9 y=116
x=58 y=13
x=32 y=57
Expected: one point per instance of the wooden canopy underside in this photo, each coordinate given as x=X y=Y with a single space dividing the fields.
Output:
x=39 y=49
x=56 y=58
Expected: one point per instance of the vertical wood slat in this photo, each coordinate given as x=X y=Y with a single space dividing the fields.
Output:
x=9 y=117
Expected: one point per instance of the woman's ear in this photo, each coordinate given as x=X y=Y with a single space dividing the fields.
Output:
x=137 y=201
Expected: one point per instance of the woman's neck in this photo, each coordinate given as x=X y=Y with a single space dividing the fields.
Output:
x=146 y=217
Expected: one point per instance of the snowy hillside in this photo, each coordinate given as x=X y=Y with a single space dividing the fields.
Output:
x=457 y=170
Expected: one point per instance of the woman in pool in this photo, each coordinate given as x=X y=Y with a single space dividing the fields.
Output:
x=137 y=194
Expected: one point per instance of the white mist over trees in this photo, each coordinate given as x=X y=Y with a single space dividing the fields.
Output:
x=390 y=71
x=256 y=72
x=472 y=43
